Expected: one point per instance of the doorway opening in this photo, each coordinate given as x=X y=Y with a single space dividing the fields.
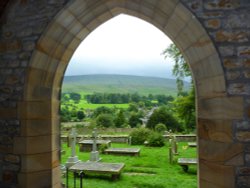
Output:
x=119 y=82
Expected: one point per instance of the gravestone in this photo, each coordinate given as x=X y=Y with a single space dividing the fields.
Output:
x=173 y=145
x=73 y=159
x=94 y=155
x=171 y=157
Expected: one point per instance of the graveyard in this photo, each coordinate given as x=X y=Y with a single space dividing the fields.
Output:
x=149 y=167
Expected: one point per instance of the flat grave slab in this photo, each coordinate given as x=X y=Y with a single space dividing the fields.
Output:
x=185 y=162
x=114 y=169
x=123 y=151
x=87 y=145
x=192 y=144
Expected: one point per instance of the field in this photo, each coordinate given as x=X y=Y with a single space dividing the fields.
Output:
x=85 y=105
x=150 y=170
x=120 y=84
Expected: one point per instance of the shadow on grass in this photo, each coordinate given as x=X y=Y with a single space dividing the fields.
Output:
x=146 y=185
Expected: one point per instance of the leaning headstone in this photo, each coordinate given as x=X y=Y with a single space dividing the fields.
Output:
x=171 y=157
x=129 y=140
x=94 y=155
x=174 y=146
x=73 y=159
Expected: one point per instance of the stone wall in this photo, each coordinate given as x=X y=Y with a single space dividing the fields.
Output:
x=223 y=116
x=20 y=29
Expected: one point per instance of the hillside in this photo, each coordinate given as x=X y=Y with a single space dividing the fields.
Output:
x=119 y=84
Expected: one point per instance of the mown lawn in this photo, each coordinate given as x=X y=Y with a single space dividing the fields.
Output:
x=150 y=170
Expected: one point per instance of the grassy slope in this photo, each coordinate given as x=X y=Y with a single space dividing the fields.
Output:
x=119 y=84
x=151 y=161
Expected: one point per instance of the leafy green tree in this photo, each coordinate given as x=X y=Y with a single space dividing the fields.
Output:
x=133 y=107
x=75 y=97
x=181 y=68
x=185 y=103
x=120 y=119
x=135 y=119
x=161 y=115
x=160 y=128
x=102 y=110
x=80 y=115
x=185 y=109
x=105 y=120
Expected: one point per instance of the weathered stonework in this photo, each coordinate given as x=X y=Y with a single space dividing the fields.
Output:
x=37 y=39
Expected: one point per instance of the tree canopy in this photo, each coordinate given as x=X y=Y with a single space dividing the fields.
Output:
x=185 y=103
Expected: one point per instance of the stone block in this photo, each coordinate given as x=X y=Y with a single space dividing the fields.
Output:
x=247 y=74
x=222 y=4
x=36 y=162
x=210 y=87
x=243 y=51
x=228 y=50
x=79 y=7
x=219 y=152
x=38 y=109
x=237 y=160
x=233 y=75
x=39 y=127
x=218 y=175
x=12 y=158
x=239 y=89
x=242 y=125
x=174 y=26
x=206 y=184
x=243 y=181
x=39 y=179
x=10 y=46
x=8 y=113
x=215 y=130
x=224 y=108
x=232 y=63
x=56 y=177
x=245 y=171
x=65 y=18
x=36 y=144
x=226 y=36
x=213 y=23
x=208 y=67
x=243 y=136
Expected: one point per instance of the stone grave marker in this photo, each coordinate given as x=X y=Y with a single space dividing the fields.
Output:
x=73 y=159
x=94 y=155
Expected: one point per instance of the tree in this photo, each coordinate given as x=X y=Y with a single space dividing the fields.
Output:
x=133 y=107
x=161 y=115
x=120 y=119
x=104 y=120
x=102 y=110
x=184 y=103
x=75 y=97
x=80 y=115
x=135 y=119
x=185 y=108
x=181 y=68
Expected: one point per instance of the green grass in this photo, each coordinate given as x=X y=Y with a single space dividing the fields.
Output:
x=152 y=168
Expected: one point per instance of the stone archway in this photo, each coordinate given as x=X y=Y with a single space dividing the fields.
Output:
x=220 y=154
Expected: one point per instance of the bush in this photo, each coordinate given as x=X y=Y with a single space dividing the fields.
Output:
x=104 y=120
x=139 y=136
x=160 y=128
x=155 y=140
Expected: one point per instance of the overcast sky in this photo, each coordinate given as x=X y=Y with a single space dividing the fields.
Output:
x=122 y=45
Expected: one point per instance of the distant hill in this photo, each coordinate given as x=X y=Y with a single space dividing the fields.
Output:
x=120 y=84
